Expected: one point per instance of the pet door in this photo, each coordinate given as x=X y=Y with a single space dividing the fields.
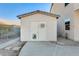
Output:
x=34 y=36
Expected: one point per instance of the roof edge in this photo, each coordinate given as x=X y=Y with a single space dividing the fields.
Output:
x=37 y=11
x=51 y=7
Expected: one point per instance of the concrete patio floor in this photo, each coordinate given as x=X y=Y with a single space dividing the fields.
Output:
x=50 y=49
x=67 y=42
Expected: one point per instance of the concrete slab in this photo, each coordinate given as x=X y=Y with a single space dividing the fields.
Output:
x=67 y=51
x=67 y=42
x=38 y=49
x=48 y=49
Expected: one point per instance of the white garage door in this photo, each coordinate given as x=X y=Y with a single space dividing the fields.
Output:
x=38 y=31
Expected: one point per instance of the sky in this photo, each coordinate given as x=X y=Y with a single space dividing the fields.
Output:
x=11 y=10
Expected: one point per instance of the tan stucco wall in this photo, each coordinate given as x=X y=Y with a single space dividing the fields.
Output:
x=58 y=8
x=51 y=26
x=76 y=25
x=70 y=11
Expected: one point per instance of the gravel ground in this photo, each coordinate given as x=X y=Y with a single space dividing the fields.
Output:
x=12 y=50
x=6 y=40
x=5 y=52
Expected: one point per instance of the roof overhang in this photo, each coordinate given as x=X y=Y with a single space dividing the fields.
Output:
x=37 y=11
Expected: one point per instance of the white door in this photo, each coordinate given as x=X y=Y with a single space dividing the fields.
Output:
x=42 y=31
x=34 y=31
x=38 y=31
